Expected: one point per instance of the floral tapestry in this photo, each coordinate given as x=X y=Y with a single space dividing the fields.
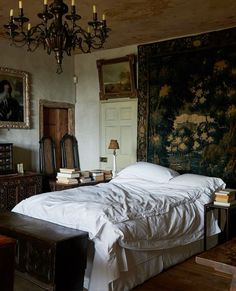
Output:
x=188 y=98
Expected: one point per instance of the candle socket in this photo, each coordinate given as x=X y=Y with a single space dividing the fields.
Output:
x=45 y=10
x=73 y=9
x=95 y=16
x=21 y=12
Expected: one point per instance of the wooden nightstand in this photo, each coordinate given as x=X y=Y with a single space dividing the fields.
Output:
x=227 y=229
x=54 y=186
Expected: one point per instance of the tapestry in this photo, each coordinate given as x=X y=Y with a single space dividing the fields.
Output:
x=187 y=104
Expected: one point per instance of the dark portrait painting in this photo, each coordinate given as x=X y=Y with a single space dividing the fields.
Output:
x=14 y=98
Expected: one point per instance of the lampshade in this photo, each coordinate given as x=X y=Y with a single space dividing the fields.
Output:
x=113 y=145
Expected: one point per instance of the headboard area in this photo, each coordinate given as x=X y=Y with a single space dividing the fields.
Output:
x=187 y=104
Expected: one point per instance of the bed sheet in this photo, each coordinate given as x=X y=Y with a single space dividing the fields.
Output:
x=136 y=215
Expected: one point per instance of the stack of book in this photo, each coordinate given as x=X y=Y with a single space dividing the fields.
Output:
x=85 y=177
x=225 y=197
x=107 y=175
x=97 y=175
x=68 y=176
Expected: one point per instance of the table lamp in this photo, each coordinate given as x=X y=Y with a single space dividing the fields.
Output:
x=114 y=146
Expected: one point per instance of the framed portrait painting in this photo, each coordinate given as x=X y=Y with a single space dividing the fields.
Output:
x=14 y=98
x=117 y=77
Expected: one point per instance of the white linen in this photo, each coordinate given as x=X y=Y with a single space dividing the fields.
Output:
x=148 y=171
x=134 y=214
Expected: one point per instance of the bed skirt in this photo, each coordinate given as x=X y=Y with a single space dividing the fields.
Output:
x=142 y=265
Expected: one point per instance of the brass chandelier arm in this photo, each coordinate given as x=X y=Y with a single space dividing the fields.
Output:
x=56 y=34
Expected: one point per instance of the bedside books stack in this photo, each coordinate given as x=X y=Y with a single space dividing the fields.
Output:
x=107 y=175
x=225 y=197
x=85 y=177
x=97 y=175
x=68 y=176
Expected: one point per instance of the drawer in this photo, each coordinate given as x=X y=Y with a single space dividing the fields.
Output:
x=5 y=148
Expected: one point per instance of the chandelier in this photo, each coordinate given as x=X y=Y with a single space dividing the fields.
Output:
x=56 y=34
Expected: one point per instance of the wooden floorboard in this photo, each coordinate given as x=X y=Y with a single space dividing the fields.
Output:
x=188 y=276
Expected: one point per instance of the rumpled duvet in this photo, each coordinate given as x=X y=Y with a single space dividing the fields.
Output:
x=134 y=214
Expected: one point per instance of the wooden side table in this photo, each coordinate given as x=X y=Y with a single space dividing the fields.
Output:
x=229 y=211
x=54 y=186
x=7 y=263
x=222 y=258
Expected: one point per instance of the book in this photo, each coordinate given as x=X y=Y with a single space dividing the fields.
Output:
x=226 y=204
x=98 y=178
x=68 y=170
x=85 y=179
x=226 y=191
x=224 y=198
x=67 y=180
x=68 y=175
x=85 y=174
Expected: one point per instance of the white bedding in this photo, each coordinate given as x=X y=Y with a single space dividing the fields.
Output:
x=125 y=213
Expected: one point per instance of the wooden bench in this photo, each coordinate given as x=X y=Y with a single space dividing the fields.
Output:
x=50 y=255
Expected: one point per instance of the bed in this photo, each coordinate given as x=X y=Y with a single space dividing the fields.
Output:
x=146 y=219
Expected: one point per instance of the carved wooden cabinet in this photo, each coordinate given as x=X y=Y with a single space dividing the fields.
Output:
x=6 y=158
x=16 y=187
x=52 y=256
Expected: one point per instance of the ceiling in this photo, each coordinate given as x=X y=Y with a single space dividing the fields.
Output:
x=139 y=21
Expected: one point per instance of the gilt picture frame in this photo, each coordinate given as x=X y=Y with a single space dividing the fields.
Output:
x=14 y=99
x=117 y=77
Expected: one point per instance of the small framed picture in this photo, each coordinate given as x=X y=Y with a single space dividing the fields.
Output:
x=117 y=77
x=20 y=168
x=14 y=99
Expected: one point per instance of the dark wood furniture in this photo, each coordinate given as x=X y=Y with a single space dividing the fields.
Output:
x=69 y=152
x=50 y=255
x=228 y=228
x=47 y=159
x=16 y=187
x=222 y=258
x=7 y=263
x=6 y=158
x=47 y=156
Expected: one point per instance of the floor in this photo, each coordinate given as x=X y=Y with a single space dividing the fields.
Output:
x=188 y=276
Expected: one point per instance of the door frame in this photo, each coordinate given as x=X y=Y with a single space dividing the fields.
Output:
x=54 y=104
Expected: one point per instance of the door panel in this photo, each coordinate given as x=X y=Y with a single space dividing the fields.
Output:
x=119 y=121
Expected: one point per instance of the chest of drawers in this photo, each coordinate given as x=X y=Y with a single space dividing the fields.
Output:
x=6 y=158
x=16 y=187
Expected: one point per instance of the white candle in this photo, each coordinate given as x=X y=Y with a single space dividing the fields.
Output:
x=29 y=26
x=11 y=12
x=104 y=16
x=20 y=4
x=45 y=2
x=94 y=9
x=72 y=2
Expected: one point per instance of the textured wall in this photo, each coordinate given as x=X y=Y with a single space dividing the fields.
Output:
x=44 y=84
x=87 y=103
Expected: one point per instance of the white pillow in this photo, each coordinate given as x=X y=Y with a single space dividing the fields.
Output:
x=195 y=180
x=147 y=171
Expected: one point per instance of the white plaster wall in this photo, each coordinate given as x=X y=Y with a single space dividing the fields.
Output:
x=45 y=83
x=87 y=103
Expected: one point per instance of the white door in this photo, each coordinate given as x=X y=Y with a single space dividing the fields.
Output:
x=118 y=121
